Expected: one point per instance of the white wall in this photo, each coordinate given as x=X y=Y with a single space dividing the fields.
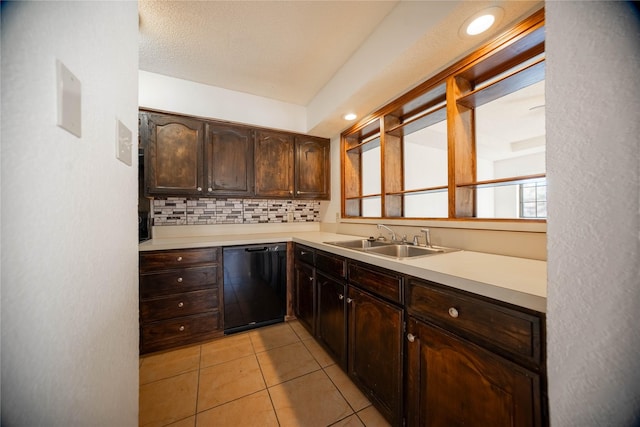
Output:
x=69 y=247
x=182 y=96
x=593 y=166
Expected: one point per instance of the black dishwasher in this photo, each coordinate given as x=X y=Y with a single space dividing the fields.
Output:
x=255 y=286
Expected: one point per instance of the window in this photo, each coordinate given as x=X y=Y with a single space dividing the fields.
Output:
x=468 y=143
x=533 y=199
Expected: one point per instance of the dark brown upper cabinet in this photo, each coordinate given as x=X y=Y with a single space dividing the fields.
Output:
x=273 y=164
x=312 y=168
x=173 y=158
x=187 y=156
x=228 y=155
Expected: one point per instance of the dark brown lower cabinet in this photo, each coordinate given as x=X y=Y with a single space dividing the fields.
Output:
x=376 y=351
x=304 y=294
x=453 y=382
x=180 y=298
x=466 y=360
x=332 y=315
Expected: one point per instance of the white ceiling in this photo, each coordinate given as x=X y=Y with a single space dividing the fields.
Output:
x=328 y=56
x=284 y=50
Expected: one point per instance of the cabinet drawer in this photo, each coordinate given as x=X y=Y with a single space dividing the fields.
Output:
x=177 y=281
x=174 y=332
x=178 y=305
x=304 y=254
x=484 y=322
x=379 y=281
x=331 y=264
x=166 y=260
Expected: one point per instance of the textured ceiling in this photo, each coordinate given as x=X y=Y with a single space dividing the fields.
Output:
x=284 y=50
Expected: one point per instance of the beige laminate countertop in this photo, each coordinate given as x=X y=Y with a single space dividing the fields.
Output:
x=518 y=281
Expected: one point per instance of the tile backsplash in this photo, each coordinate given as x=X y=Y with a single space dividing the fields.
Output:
x=206 y=211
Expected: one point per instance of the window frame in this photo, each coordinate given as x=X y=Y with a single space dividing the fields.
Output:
x=536 y=184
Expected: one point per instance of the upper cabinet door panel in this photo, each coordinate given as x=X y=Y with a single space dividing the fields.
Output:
x=312 y=168
x=173 y=160
x=273 y=164
x=229 y=160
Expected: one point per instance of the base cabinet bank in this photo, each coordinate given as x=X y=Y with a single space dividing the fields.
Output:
x=423 y=353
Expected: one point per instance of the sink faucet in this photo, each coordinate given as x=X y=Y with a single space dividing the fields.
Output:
x=427 y=237
x=393 y=235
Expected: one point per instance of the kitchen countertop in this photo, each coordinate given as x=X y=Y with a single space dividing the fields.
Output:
x=518 y=281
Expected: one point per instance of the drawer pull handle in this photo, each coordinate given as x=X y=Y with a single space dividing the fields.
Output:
x=303 y=252
x=340 y=297
x=181 y=328
x=411 y=337
x=179 y=259
x=180 y=304
x=179 y=279
x=453 y=312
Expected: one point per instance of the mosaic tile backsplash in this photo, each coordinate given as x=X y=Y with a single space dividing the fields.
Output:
x=183 y=211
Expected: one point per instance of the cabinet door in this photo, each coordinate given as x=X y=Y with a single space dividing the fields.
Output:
x=375 y=351
x=273 y=164
x=452 y=382
x=173 y=162
x=304 y=303
x=331 y=324
x=229 y=160
x=312 y=168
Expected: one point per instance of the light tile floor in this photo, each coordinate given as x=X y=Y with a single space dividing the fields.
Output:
x=272 y=376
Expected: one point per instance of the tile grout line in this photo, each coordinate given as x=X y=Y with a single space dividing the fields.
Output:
x=345 y=397
x=195 y=415
x=264 y=380
x=166 y=378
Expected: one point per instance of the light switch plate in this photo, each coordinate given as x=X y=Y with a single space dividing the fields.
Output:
x=123 y=143
x=69 y=100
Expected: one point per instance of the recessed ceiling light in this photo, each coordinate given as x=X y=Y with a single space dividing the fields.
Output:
x=481 y=21
x=481 y=24
x=350 y=116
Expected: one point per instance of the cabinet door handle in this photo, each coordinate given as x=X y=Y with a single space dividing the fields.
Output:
x=290 y=191
x=411 y=337
x=303 y=252
x=199 y=188
x=181 y=328
x=298 y=192
x=311 y=279
x=180 y=304
x=453 y=312
x=349 y=300
x=179 y=280
x=340 y=297
x=210 y=189
x=179 y=259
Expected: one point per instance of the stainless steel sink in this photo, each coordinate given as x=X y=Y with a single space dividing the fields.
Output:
x=389 y=249
x=405 y=251
x=359 y=244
